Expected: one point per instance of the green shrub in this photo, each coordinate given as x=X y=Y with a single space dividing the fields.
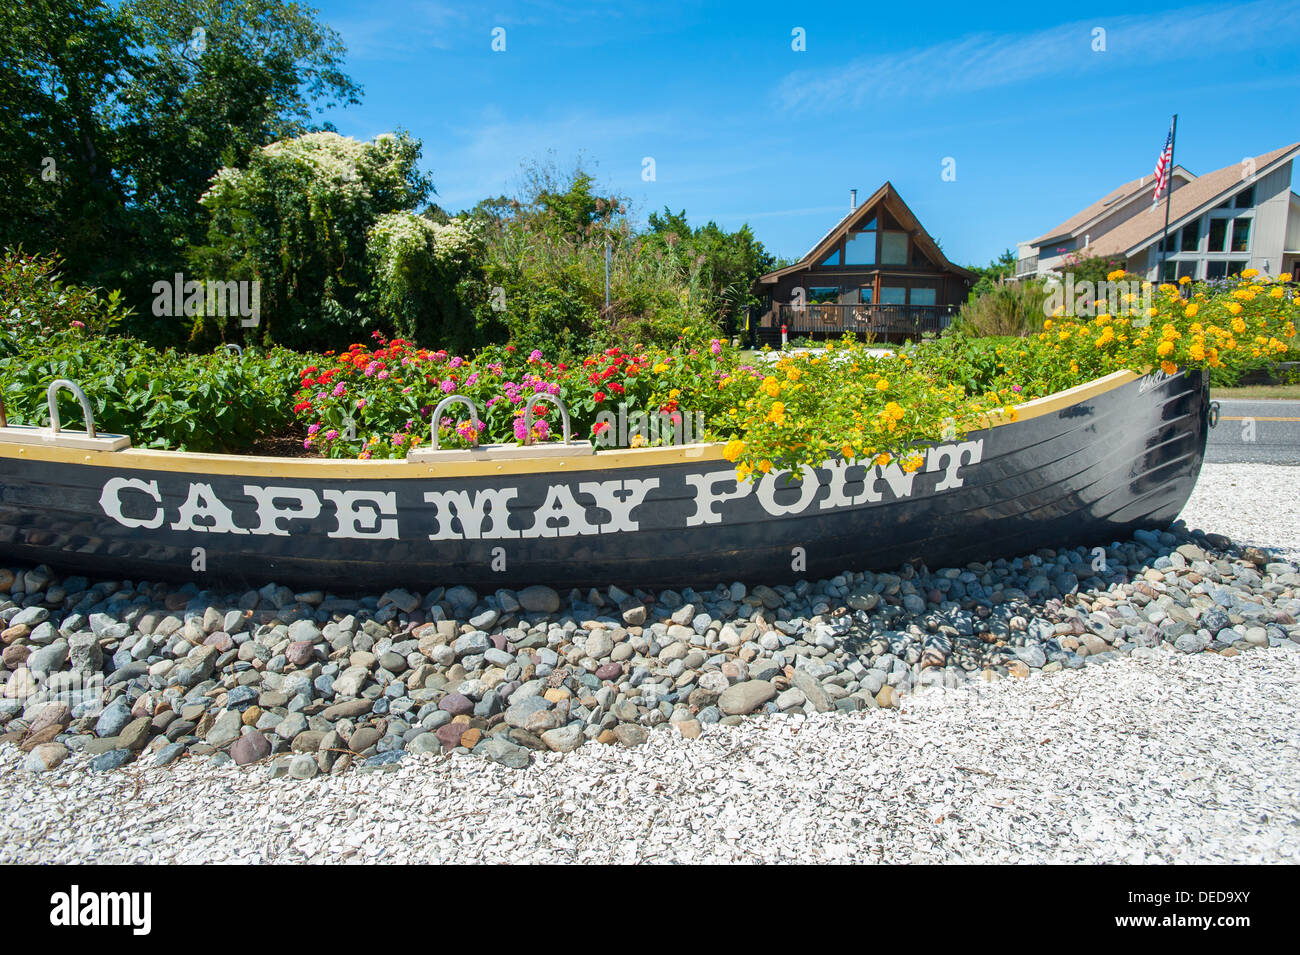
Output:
x=167 y=399
x=1007 y=308
x=35 y=301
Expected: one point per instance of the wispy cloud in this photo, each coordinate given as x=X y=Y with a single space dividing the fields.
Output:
x=985 y=61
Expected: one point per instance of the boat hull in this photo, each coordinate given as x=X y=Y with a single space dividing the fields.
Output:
x=1085 y=467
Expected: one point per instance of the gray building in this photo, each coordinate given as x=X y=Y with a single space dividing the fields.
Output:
x=1242 y=216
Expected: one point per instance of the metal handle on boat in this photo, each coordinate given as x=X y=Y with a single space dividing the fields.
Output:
x=528 y=415
x=452 y=400
x=51 y=397
x=1214 y=414
x=234 y=349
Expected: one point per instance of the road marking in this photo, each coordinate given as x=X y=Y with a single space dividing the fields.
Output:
x=1254 y=417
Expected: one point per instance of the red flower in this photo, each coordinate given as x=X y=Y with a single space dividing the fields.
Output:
x=301 y=406
x=599 y=426
x=615 y=387
x=599 y=396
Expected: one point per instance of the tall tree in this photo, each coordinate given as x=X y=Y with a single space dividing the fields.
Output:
x=136 y=108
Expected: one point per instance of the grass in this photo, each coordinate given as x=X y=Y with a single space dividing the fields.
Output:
x=1259 y=392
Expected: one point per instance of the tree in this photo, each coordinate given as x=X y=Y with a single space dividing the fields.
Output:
x=731 y=261
x=136 y=108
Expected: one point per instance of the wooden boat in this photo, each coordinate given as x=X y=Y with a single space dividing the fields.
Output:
x=1084 y=466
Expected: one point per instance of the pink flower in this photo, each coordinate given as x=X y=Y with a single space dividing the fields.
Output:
x=715 y=346
x=306 y=444
x=382 y=375
x=339 y=390
x=313 y=429
x=535 y=355
x=361 y=403
x=448 y=386
x=456 y=362
x=331 y=434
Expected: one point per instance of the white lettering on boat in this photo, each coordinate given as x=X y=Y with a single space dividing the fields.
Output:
x=471 y=509
x=364 y=514
x=554 y=510
x=706 y=494
x=111 y=501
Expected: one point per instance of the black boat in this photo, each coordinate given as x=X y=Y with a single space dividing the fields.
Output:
x=1084 y=466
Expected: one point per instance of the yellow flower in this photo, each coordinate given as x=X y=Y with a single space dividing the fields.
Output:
x=913 y=463
x=882 y=385
x=1249 y=273
x=1165 y=348
x=771 y=387
x=1238 y=326
x=765 y=465
x=1284 y=277
x=883 y=459
x=660 y=368
x=777 y=414
x=638 y=441
x=1168 y=367
x=1184 y=280
x=793 y=374
x=846 y=451
x=733 y=450
x=1192 y=308
x=1115 y=276
x=1234 y=308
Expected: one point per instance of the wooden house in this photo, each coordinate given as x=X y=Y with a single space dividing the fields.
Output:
x=876 y=272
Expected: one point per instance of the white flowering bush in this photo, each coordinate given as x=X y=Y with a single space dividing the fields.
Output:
x=326 y=223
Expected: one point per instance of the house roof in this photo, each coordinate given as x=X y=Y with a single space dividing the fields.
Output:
x=1107 y=203
x=887 y=196
x=1203 y=191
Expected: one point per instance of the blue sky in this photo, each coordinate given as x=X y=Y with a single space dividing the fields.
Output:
x=743 y=128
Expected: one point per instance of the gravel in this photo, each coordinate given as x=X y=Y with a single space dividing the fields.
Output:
x=1253 y=504
x=1160 y=757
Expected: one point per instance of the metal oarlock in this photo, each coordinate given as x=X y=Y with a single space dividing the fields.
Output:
x=90 y=439
x=445 y=402
x=52 y=399
x=528 y=416
x=234 y=349
x=501 y=452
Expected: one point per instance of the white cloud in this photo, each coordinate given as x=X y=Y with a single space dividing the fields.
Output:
x=985 y=61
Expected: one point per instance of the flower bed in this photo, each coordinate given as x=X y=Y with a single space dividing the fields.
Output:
x=800 y=409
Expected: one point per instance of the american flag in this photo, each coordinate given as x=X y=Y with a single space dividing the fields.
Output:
x=1162 y=166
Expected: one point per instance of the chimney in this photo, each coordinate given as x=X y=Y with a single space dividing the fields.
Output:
x=853 y=199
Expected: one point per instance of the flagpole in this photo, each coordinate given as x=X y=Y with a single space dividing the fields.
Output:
x=1169 y=194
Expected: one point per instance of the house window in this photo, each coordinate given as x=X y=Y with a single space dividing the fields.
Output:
x=833 y=258
x=823 y=294
x=893 y=295
x=1218 y=236
x=1191 y=237
x=1216 y=270
x=1236 y=268
x=1241 y=234
x=865 y=294
x=893 y=248
x=1187 y=269
x=860 y=249
x=919 y=261
x=923 y=296
x=1246 y=198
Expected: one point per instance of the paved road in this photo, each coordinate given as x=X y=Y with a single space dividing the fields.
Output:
x=1259 y=432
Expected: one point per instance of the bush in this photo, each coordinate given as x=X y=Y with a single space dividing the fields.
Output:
x=35 y=301
x=1007 y=308
x=213 y=402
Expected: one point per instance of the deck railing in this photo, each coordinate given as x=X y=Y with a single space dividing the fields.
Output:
x=885 y=322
